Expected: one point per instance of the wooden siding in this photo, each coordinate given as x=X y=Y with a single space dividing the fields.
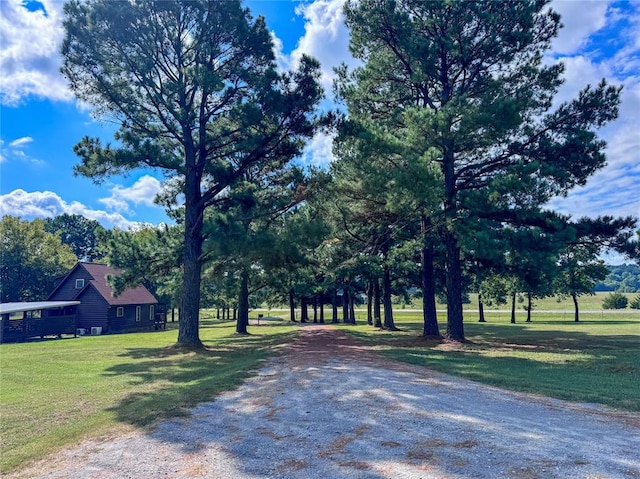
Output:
x=92 y=311
x=99 y=307
x=128 y=321
x=67 y=291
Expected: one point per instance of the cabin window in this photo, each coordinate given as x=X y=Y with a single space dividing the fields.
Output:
x=138 y=310
x=151 y=312
x=79 y=283
x=120 y=311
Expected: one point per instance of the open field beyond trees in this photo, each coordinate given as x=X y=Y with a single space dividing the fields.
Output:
x=55 y=392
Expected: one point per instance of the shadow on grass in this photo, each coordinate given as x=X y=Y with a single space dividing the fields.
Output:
x=168 y=381
x=564 y=364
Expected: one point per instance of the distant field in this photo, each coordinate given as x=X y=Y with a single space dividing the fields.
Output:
x=585 y=303
x=590 y=308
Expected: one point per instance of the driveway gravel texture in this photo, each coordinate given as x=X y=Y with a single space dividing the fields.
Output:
x=331 y=408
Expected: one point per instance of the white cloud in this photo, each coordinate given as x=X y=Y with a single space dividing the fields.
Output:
x=615 y=57
x=47 y=204
x=318 y=151
x=16 y=151
x=143 y=191
x=29 y=58
x=580 y=20
x=326 y=37
x=21 y=141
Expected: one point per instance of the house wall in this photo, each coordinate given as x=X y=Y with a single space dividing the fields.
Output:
x=93 y=310
x=128 y=321
x=68 y=290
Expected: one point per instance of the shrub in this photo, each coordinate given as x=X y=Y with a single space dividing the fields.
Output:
x=615 y=301
x=635 y=304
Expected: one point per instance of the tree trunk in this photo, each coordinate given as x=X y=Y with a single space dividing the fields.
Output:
x=345 y=305
x=321 y=308
x=377 y=314
x=576 y=317
x=304 y=314
x=334 y=306
x=243 y=304
x=218 y=312
x=481 y=309
x=235 y=313
x=352 y=310
x=292 y=306
x=315 y=308
x=369 y=302
x=188 y=329
x=455 y=326
x=386 y=298
x=529 y=302
x=429 y=313
x=513 y=308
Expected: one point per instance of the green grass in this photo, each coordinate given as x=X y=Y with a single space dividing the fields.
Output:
x=596 y=360
x=56 y=392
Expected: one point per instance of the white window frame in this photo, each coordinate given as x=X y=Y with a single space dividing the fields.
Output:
x=120 y=312
x=79 y=283
x=138 y=312
x=151 y=312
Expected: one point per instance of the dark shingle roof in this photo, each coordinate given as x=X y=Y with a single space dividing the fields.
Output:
x=99 y=272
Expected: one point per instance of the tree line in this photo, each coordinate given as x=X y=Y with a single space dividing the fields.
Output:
x=448 y=148
x=624 y=278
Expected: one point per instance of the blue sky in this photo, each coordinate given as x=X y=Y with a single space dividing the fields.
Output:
x=40 y=121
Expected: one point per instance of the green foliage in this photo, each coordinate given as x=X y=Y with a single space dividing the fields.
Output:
x=150 y=256
x=462 y=87
x=82 y=234
x=615 y=301
x=197 y=93
x=624 y=278
x=31 y=260
x=635 y=303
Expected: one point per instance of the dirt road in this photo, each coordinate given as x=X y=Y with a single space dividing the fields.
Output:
x=328 y=408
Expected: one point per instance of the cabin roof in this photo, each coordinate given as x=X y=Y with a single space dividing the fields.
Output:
x=137 y=295
x=99 y=273
x=19 y=307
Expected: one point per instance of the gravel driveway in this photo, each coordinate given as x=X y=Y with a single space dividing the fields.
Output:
x=330 y=409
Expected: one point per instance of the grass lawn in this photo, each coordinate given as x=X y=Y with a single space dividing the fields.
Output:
x=596 y=360
x=55 y=392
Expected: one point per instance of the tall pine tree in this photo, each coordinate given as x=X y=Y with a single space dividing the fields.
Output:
x=467 y=79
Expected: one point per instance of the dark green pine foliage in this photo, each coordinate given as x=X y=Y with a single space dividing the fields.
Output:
x=468 y=79
x=244 y=234
x=196 y=92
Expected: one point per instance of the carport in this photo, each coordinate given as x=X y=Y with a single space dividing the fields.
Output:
x=24 y=320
